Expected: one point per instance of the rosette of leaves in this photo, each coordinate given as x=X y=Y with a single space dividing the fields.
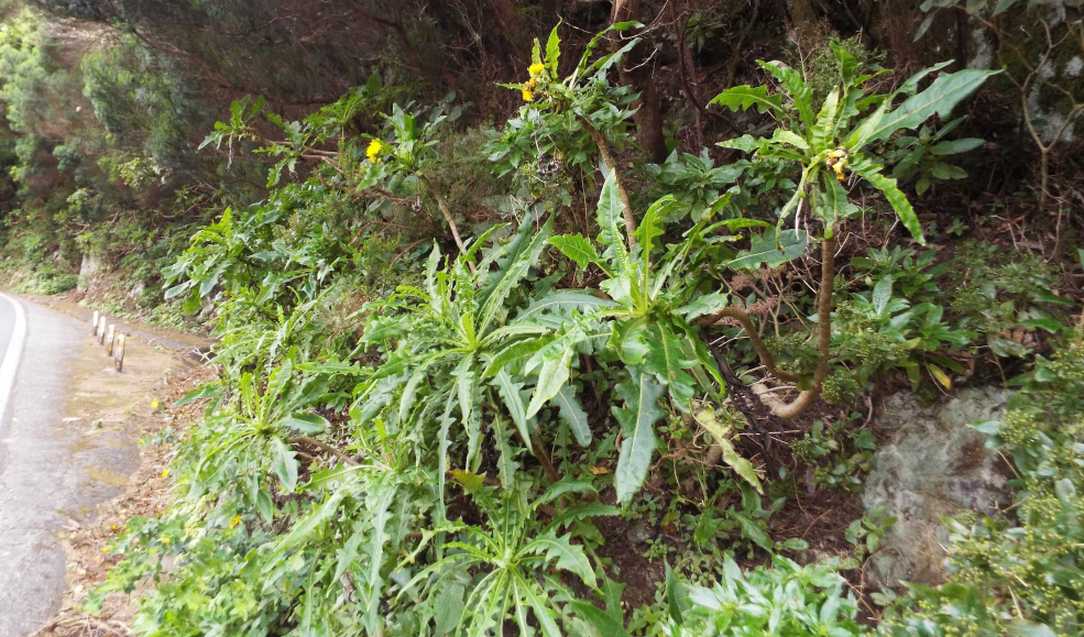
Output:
x=510 y=571
x=252 y=438
x=647 y=326
x=837 y=139
x=455 y=353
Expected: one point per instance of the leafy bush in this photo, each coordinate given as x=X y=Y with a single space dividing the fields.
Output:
x=785 y=599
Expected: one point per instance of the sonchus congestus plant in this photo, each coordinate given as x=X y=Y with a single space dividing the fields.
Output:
x=834 y=144
x=574 y=117
x=648 y=326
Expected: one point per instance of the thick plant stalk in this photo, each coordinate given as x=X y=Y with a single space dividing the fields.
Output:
x=806 y=397
x=313 y=443
x=446 y=213
x=746 y=321
x=608 y=159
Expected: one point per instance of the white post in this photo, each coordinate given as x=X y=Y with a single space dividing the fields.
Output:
x=94 y=322
x=118 y=352
x=110 y=336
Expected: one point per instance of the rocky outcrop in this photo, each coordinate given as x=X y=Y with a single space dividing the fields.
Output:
x=90 y=265
x=935 y=465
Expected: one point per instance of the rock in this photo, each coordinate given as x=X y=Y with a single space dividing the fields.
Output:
x=639 y=533
x=136 y=291
x=89 y=266
x=935 y=465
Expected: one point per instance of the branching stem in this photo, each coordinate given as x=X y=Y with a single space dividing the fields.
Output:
x=824 y=341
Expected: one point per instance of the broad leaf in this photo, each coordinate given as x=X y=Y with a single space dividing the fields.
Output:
x=576 y=247
x=744 y=97
x=943 y=94
x=284 y=464
x=888 y=186
x=513 y=401
x=573 y=414
x=306 y=423
x=517 y=265
x=772 y=249
x=565 y=556
x=610 y=222
x=637 y=417
x=552 y=376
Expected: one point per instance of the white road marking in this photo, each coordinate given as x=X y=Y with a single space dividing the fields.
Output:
x=10 y=364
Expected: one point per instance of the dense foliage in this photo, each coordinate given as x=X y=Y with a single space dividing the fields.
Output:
x=506 y=369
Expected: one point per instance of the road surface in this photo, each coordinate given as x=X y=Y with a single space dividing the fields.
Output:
x=45 y=464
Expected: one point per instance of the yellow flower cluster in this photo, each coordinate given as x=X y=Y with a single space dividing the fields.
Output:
x=837 y=161
x=373 y=152
x=537 y=71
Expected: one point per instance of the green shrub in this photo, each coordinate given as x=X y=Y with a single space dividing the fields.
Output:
x=1021 y=573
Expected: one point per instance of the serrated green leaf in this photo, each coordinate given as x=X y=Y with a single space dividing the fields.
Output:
x=576 y=247
x=516 y=266
x=790 y=137
x=553 y=50
x=378 y=504
x=744 y=97
x=552 y=375
x=772 y=248
x=795 y=86
x=599 y=619
x=563 y=301
x=306 y=423
x=611 y=220
x=956 y=146
x=668 y=360
x=899 y=202
x=284 y=464
x=746 y=143
x=513 y=401
x=703 y=305
x=566 y=556
x=573 y=414
x=637 y=417
x=943 y=94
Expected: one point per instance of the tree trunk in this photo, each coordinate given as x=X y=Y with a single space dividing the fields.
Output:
x=637 y=72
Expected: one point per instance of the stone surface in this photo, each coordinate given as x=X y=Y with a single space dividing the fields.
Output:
x=137 y=291
x=90 y=265
x=934 y=465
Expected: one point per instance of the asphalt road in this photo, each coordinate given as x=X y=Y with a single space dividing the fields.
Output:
x=41 y=484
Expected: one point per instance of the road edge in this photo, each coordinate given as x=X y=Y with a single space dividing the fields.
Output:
x=9 y=366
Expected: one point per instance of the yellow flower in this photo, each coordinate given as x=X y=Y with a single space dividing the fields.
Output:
x=376 y=147
x=165 y=472
x=527 y=94
x=234 y=521
x=536 y=69
x=837 y=161
x=155 y=405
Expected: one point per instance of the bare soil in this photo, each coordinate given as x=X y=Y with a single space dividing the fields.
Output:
x=137 y=408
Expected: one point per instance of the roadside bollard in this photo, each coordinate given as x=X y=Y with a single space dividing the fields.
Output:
x=110 y=337
x=94 y=322
x=101 y=330
x=118 y=352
